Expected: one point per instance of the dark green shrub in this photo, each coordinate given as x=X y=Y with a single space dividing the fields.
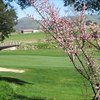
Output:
x=41 y=45
x=45 y=45
x=6 y=92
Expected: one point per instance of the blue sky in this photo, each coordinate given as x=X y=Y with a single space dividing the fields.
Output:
x=30 y=10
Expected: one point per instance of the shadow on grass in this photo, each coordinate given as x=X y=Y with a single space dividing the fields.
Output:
x=14 y=80
x=20 y=97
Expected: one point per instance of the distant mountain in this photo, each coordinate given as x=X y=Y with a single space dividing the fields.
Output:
x=27 y=23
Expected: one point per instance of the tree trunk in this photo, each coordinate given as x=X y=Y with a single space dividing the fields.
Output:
x=97 y=96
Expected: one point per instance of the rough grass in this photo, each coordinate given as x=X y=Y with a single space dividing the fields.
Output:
x=38 y=52
x=49 y=73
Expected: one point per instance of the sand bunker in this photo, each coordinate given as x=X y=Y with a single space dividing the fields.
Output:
x=11 y=70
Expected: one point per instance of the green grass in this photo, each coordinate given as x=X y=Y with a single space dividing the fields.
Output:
x=38 y=52
x=50 y=73
x=26 y=37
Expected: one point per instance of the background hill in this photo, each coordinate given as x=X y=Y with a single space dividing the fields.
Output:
x=27 y=23
x=93 y=18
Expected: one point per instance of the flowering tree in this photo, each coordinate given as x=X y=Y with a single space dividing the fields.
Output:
x=78 y=41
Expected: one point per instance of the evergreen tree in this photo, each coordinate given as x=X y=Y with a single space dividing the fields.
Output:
x=93 y=5
x=7 y=20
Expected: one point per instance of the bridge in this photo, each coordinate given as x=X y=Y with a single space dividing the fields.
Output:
x=10 y=45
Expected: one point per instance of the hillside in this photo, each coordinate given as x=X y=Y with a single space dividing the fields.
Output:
x=27 y=23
